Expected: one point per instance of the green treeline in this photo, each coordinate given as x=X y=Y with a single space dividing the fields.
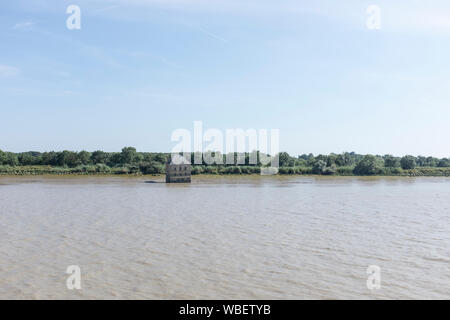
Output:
x=129 y=161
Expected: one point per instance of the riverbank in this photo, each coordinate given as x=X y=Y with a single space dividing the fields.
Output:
x=214 y=170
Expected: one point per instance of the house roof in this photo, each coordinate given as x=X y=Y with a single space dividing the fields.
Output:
x=178 y=159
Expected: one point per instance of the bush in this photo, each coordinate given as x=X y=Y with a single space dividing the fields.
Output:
x=331 y=170
x=151 y=168
x=303 y=170
x=120 y=170
x=345 y=171
x=256 y=170
x=245 y=170
x=393 y=171
x=230 y=170
x=236 y=170
x=196 y=170
x=134 y=169
x=210 y=170
x=102 y=168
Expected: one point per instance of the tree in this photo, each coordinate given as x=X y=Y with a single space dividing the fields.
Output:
x=421 y=161
x=444 y=163
x=50 y=158
x=26 y=159
x=369 y=165
x=322 y=157
x=12 y=159
x=408 y=162
x=431 y=162
x=319 y=166
x=115 y=159
x=285 y=160
x=344 y=159
x=391 y=161
x=66 y=158
x=331 y=159
x=84 y=157
x=311 y=161
x=2 y=157
x=99 y=157
x=130 y=156
x=161 y=158
x=306 y=156
x=300 y=162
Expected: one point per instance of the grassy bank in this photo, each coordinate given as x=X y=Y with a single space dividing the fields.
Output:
x=101 y=169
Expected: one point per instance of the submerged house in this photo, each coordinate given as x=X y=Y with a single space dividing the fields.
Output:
x=178 y=170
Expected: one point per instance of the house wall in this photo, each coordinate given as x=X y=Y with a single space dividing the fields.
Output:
x=180 y=173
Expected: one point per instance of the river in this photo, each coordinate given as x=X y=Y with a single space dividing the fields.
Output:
x=237 y=237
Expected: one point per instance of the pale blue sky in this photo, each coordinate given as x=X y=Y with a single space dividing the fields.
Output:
x=139 y=69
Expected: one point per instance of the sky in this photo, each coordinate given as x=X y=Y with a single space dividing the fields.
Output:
x=139 y=69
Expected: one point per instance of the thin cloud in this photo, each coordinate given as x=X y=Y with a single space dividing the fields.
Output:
x=403 y=15
x=424 y=20
x=25 y=25
x=99 y=54
x=210 y=34
x=107 y=8
x=91 y=51
x=144 y=54
x=37 y=92
x=8 y=71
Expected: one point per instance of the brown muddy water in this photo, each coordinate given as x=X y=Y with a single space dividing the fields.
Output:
x=224 y=237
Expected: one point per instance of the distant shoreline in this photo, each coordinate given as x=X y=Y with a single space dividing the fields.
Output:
x=131 y=162
x=212 y=171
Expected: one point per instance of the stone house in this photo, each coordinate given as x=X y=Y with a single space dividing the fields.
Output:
x=178 y=170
